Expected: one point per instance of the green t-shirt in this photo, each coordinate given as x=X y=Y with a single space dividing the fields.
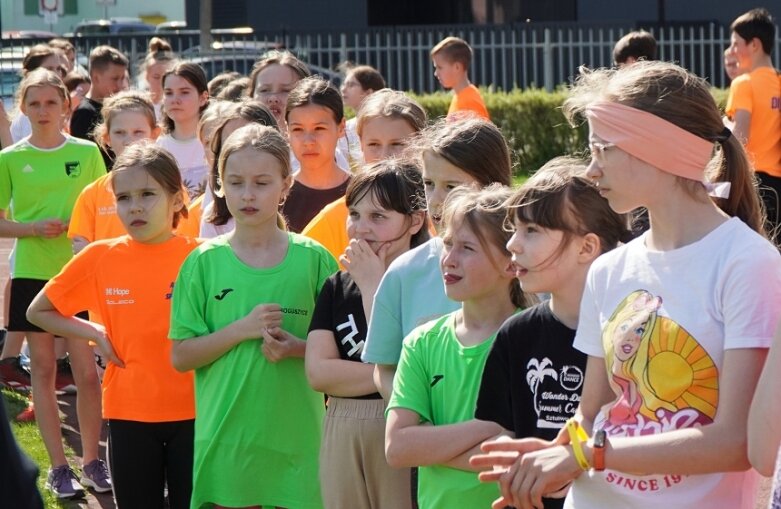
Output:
x=438 y=378
x=43 y=184
x=258 y=424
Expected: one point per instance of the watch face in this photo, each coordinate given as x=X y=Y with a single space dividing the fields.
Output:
x=599 y=438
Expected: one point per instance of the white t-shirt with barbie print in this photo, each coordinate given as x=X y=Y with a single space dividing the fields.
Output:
x=662 y=321
x=191 y=158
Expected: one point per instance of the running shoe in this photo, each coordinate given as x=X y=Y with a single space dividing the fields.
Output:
x=64 y=381
x=63 y=483
x=95 y=475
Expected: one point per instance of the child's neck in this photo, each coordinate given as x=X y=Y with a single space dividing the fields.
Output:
x=98 y=98
x=668 y=232
x=260 y=246
x=461 y=85
x=185 y=129
x=565 y=303
x=47 y=138
x=761 y=60
x=479 y=319
x=326 y=176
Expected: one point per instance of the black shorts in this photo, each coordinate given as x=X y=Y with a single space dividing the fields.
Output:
x=23 y=291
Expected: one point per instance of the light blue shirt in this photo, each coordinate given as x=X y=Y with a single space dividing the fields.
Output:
x=410 y=294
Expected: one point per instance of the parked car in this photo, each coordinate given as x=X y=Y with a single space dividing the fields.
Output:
x=28 y=34
x=112 y=26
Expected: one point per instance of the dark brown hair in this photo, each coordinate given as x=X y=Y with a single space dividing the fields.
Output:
x=759 y=24
x=159 y=164
x=638 y=45
x=560 y=197
x=37 y=54
x=316 y=90
x=195 y=76
x=395 y=184
x=368 y=77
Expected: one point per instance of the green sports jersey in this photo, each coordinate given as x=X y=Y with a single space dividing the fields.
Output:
x=258 y=424
x=41 y=184
x=438 y=378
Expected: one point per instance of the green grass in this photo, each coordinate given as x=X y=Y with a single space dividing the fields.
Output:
x=29 y=439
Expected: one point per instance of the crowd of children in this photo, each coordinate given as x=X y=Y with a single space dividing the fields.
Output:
x=303 y=312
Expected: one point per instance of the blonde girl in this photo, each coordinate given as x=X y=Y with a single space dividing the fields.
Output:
x=185 y=96
x=42 y=176
x=159 y=59
x=128 y=117
x=360 y=82
x=657 y=142
x=385 y=124
x=442 y=361
x=241 y=303
x=150 y=443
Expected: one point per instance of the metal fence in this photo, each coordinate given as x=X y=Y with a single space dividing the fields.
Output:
x=505 y=57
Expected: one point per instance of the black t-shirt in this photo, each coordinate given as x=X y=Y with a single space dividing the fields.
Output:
x=83 y=122
x=533 y=377
x=303 y=203
x=339 y=309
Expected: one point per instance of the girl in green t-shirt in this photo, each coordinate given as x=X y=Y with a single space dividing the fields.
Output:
x=241 y=303
x=430 y=413
x=42 y=175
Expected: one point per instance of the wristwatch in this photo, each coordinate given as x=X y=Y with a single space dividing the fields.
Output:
x=598 y=454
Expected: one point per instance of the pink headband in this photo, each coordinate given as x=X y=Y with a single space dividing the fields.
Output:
x=651 y=139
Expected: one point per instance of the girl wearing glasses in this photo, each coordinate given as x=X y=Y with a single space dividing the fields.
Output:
x=663 y=417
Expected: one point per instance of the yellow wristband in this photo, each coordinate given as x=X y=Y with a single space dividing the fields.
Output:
x=577 y=435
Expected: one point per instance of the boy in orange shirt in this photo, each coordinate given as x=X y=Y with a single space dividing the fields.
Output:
x=451 y=59
x=754 y=103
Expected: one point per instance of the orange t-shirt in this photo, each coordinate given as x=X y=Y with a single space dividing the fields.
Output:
x=759 y=93
x=95 y=213
x=130 y=285
x=467 y=100
x=329 y=227
x=191 y=225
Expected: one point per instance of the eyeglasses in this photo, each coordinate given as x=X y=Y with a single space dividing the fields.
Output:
x=598 y=151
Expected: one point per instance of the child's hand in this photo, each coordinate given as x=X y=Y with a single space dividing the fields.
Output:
x=104 y=344
x=260 y=319
x=49 y=228
x=279 y=344
x=364 y=265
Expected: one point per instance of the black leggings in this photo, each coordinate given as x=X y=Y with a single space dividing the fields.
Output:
x=144 y=457
x=770 y=192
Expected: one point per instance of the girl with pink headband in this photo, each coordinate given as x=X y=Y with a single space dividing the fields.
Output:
x=707 y=286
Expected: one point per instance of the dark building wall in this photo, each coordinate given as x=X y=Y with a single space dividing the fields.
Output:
x=674 y=11
x=282 y=14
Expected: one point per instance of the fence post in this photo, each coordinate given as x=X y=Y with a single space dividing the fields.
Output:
x=342 y=47
x=547 y=60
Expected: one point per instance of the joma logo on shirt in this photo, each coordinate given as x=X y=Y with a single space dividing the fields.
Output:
x=73 y=169
x=435 y=379
x=223 y=293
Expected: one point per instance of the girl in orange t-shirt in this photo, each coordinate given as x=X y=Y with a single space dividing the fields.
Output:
x=129 y=117
x=129 y=280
